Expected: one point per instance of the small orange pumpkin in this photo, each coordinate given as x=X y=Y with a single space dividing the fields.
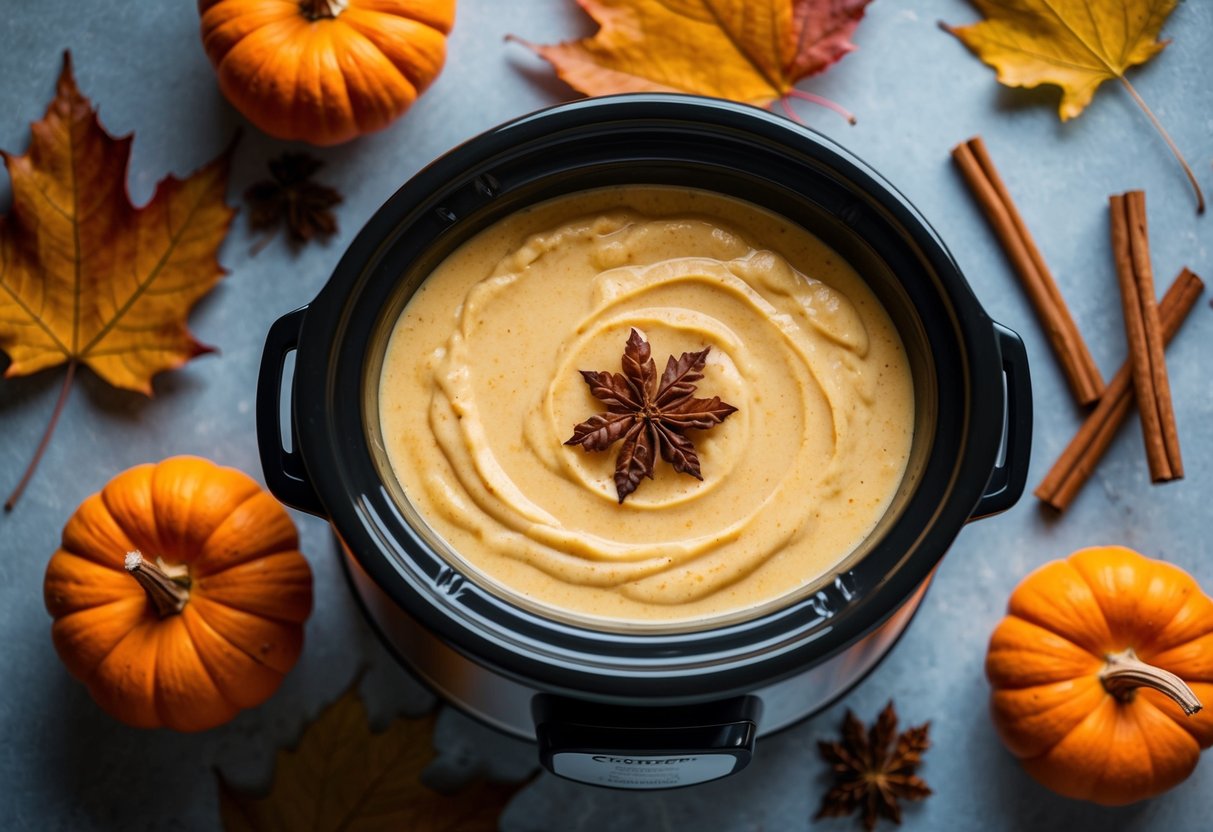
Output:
x=1099 y=670
x=179 y=594
x=325 y=71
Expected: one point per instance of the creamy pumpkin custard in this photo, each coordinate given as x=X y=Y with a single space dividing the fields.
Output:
x=481 y=387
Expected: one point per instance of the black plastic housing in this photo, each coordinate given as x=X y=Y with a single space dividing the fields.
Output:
x=723 y=729
x=971 y=381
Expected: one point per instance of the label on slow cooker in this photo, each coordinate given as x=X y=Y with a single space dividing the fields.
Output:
x=642 y=771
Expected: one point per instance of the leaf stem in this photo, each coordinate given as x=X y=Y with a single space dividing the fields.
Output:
x=825 y=102
x=1166 y=137
x=46 y=438
x=788 y=111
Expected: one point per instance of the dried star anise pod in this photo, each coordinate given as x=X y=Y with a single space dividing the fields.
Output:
x=873 y=769
x=291 y=197
x=649 y=415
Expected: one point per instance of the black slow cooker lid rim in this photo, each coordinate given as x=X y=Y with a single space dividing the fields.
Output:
x=326 y=312
x=439 y=178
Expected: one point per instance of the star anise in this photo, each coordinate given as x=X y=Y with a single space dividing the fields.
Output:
x=649 y=415
x=873 y=769
x=291 y=197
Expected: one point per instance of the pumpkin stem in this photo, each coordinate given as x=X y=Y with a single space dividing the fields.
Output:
x=165 y=591
x=1124 y=673
x=322 y=9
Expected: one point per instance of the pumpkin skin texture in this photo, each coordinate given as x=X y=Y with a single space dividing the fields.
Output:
x=325 y=71
x=239 y=632
x=1051 y=707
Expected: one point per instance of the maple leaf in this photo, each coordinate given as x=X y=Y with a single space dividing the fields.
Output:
x=88 y=278
x=753 y=51
x=649 y=415
x=1075 y=45
x=342 y=776
x=874 y=769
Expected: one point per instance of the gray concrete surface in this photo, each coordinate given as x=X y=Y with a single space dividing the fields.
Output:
x=64 y=765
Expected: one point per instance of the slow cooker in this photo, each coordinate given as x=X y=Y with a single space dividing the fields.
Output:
x=612 y=707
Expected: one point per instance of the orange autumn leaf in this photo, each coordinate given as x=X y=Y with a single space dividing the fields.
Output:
x=1073 y=44
x=343 y=776
x=86 y=278
x=753 y=51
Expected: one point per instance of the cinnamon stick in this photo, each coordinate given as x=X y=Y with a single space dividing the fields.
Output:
x=1076 y=464
x=995 y=201
x=1131 y=247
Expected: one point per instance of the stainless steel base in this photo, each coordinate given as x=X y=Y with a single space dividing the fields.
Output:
x=506 y=704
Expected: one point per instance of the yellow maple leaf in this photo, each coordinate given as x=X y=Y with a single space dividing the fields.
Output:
x=1073 y=44
x=753 y=51
x=88 y=278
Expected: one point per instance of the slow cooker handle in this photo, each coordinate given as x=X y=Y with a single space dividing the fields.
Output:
x=284 y=472
x=1007 y=480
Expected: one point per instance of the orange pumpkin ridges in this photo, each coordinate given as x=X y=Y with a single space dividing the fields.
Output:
x=179 y=594
x=1098 y=673
x=324 y=71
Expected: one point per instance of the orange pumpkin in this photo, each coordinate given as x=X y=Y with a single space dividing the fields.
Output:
x=179 y=595
x=325 y=71
x=1098 y=672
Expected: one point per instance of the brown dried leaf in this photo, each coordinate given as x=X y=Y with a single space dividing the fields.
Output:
x=342 y=776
